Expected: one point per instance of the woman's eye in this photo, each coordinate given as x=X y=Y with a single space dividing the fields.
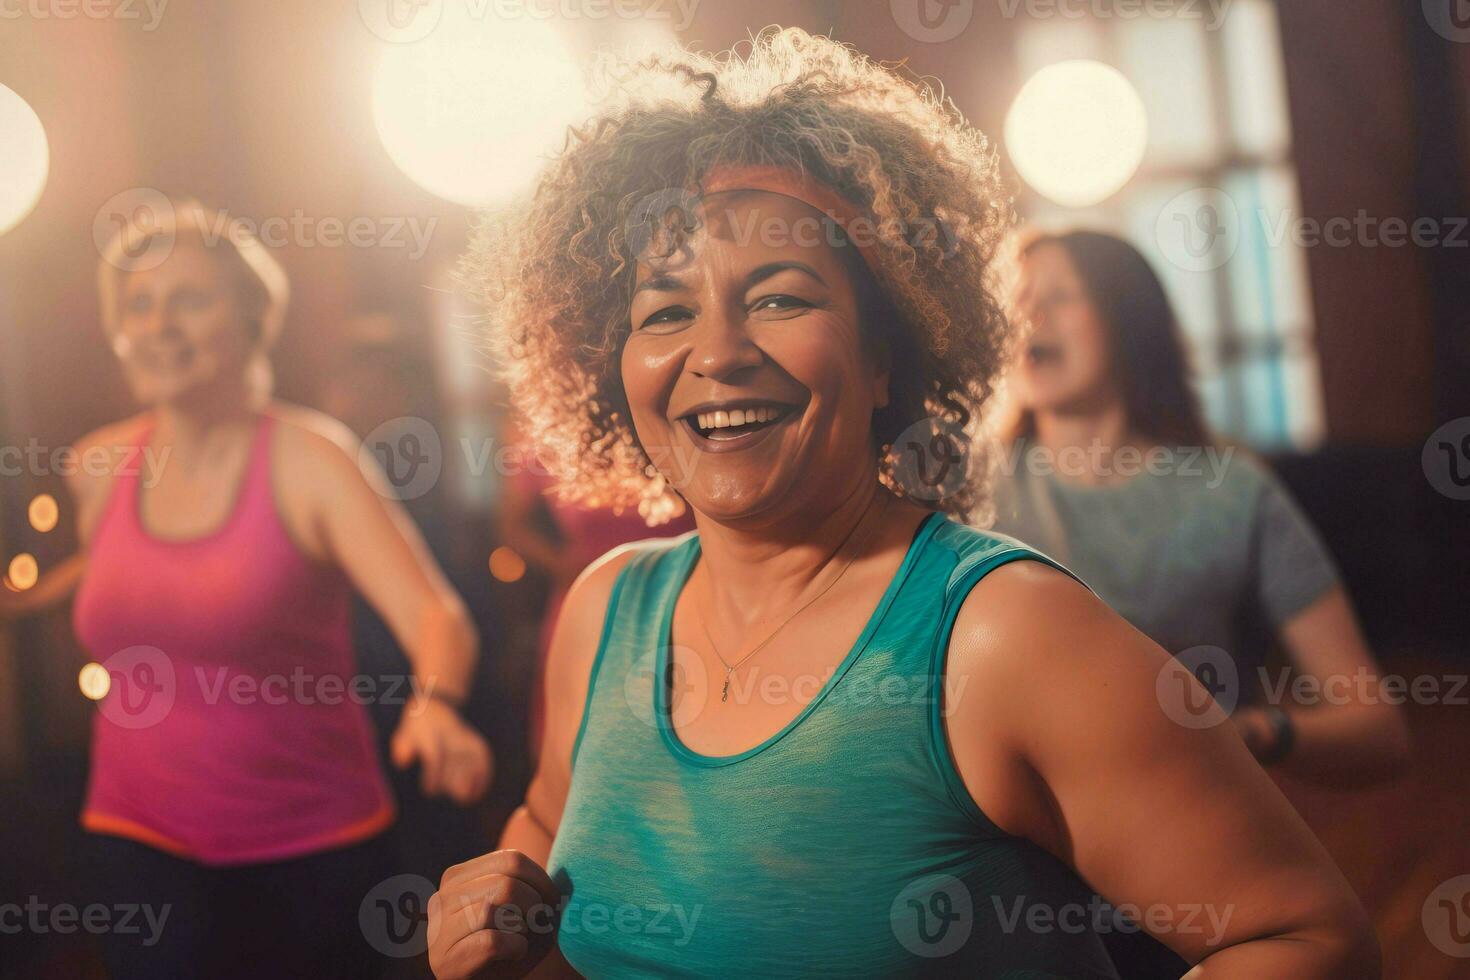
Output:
x=779 y=302
x=667 y=315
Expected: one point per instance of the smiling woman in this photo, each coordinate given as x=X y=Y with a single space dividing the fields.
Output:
x=834 y=732
x=887 y=168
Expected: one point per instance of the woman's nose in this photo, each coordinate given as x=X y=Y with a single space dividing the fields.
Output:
x=722 y=346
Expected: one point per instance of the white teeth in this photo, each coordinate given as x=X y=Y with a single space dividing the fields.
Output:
x=735 y=417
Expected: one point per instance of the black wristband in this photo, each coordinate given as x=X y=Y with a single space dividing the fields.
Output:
x=1283 y=733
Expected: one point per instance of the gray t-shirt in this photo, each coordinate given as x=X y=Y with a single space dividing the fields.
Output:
x=1201 y=551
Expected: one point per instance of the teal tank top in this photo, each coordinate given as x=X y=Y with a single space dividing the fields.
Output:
x=845 y=845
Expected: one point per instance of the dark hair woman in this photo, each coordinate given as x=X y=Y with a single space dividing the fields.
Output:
x=833 y=732
x=1112 y=471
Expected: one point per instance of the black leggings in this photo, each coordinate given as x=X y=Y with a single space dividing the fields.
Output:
x=295 y=918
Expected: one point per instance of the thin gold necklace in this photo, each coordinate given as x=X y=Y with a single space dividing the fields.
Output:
x=731 y=668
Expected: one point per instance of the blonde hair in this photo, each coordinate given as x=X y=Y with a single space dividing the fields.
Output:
x=556 y=279
x=148 y=234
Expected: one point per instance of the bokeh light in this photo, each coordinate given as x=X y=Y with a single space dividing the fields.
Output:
x=1077 y=132
x=94 y=681
x=23 y=571
x=471 y=111
x=43 y=512
x=507 y=565
x=25 y=159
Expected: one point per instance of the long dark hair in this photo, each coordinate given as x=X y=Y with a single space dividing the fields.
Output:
x=1148 y=357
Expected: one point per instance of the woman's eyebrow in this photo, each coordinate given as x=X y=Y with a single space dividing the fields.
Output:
x=771 y=268
x=662 y=282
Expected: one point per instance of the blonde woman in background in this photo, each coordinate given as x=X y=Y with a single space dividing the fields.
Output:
x=258 y=819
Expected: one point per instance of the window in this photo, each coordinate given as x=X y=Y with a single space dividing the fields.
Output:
x=1214 y=202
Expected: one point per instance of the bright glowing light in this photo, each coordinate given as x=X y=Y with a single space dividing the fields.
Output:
x=25 y=159
x=507 y=565
x=95 y=681
x=23 y=571
x=1076 y=132
x=471 y=112
x=43 y=512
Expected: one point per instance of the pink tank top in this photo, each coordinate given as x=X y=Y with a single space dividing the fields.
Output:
x=232 y=731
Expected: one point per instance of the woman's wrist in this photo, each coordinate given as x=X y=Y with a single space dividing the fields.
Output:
x=1282 y=736
x=430 y=691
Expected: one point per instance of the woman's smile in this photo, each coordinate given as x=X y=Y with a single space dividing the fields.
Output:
x=732 y=426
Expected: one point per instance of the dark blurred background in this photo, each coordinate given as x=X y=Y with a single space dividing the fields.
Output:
x=1336 y=355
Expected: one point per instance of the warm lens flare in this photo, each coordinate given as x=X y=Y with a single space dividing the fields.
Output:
x=1077 y=132
x=94 y=681
x=43 y=512
x=23 y=571
x=24 y=162
x=507 y=565
x=471 y=111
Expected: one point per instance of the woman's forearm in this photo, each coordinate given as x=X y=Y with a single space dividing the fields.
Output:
x=1345 y=745
x=443 y=651
x=53 y=588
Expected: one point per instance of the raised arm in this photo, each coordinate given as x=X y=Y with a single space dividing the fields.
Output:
x=349 y=518
x=1077 y=732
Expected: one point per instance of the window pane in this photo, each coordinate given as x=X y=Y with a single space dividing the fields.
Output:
x=1194 y=294
x=1306 y=423
x=1167 y=60
x=1268 y=272
x=1255 y=79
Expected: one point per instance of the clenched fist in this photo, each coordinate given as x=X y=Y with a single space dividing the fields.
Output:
x=493 y=916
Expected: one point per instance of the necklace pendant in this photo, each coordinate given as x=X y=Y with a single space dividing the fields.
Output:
x=725 y=694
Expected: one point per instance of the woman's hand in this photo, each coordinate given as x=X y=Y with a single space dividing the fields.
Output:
x=493 y=916
x=454 y=759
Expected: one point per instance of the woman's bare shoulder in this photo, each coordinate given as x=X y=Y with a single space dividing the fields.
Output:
x=98 y=456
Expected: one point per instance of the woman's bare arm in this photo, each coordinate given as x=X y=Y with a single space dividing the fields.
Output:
x=342 y=512
x=463 y=913
x=1074 y=730
x=1349 y=730
x=54 y=587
